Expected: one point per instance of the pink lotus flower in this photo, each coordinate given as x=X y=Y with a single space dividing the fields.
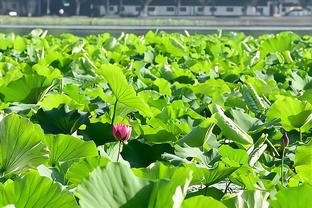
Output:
x=122 y=132
x=285 y=140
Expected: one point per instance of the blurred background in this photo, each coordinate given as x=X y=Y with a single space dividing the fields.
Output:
x=84 y=17
x=157 y=8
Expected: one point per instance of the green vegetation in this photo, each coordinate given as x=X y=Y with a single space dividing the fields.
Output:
x=205 y=110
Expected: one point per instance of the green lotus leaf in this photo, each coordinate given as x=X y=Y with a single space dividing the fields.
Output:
x=114 y=186
x=67 y=148
x=299 y=197
x=34 y=191
x=292 y=112
x=303 y=162
x=202 y=201
x=20 y=144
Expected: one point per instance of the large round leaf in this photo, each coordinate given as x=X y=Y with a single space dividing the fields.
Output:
x=158 y=170
x=277 y=43
x=175 y=190
x=20 y=144
x=303 y=162
x=82 y=169
x=233 y=157
x=31 y=86
x=210 y=176
x=293 y=113
x=231 y=130
x=200 y=175
x=214 y=88
x=171 y=180
x=34 y=191
x=244 y=199
x=199 y=134
x=117 y=186
x=114 y=186
x=123 y=92
x=202 y=201
x=65 y=148
x=59 y=120
x=299 y=197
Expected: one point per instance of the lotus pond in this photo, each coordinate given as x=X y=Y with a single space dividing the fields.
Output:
x=160 y=120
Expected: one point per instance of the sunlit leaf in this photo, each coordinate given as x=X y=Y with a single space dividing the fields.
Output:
x=34 y=191
x=292 y=112
x=65 y=148
x=303 y=162
x=123 y=92
x=20 y=144
x=202 y=201
x=299 y=197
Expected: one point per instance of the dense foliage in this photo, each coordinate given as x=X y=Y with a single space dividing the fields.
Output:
x=222 y=120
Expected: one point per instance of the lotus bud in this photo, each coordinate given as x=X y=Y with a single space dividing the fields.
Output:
x=285 y=140
x=122 y=132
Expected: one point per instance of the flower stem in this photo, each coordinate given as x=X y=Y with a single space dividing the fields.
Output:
x=282 y=173
x=114 y=113
x=227 y=187
x=300 y=135
x=119 y=148
x=272 y=146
